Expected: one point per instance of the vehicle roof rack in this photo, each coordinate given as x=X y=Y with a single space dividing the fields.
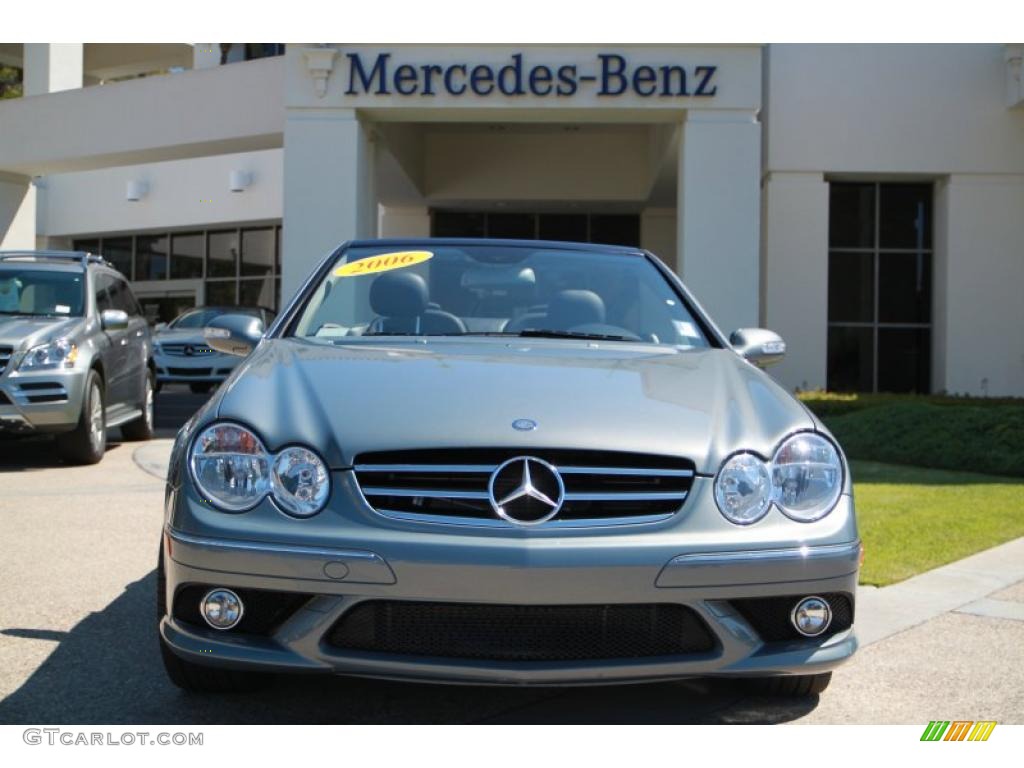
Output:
x=82 y=257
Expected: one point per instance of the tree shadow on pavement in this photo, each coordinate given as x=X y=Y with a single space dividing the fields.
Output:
x=107 y=669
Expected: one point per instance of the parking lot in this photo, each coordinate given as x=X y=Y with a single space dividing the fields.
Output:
x=78 y=644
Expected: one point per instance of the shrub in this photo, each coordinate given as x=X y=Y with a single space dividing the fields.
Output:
x=987 y=438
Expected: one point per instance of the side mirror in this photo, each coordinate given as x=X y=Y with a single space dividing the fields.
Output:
x=114 y=319
x=758 y=346
x=160 y=327
x=234 y=334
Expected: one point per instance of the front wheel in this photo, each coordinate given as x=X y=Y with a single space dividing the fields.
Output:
x=87 y=442
x=793 y=686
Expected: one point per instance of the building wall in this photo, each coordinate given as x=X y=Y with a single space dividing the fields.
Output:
x=17 y=213
x=898 y=112
x=983 y=271
x=181 y=193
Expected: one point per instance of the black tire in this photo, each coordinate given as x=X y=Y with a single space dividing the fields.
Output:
x=142 y=427
x=87 y=442
x=198 y=678
x=200 y=387
x=793 y=686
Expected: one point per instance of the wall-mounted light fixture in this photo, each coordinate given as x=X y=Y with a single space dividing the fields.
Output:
x=135 y=190
x=239 y=180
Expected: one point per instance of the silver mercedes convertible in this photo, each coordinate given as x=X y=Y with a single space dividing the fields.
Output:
x=504 y=462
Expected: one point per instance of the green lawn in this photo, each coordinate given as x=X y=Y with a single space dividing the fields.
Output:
x=913 y=519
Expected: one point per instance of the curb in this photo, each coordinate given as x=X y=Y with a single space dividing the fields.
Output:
x=885 y=611
x=154 y=457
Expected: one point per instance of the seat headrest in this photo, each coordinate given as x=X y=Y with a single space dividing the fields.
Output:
x=399 y=294
x=571 y=308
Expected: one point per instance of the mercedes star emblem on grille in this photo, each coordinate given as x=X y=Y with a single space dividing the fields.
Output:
x=526 y=491
x=189 y=350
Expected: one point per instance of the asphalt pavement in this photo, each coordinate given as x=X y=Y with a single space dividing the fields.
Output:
x=78 y=547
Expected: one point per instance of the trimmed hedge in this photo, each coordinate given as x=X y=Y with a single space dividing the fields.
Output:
x=986 y=438
x=840 y=403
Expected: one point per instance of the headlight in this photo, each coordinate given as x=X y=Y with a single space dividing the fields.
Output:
x=743 y=489
x=808 y=477
x=57 y=354
x=230 y=466
x=300 y=481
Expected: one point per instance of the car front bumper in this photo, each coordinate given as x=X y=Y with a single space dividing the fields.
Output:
x=206 y=369
x=41 y=401
x=625 y=568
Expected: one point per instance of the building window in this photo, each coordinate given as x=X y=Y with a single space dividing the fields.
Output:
x=609 y=229
x=239 y=266
x=879 y=287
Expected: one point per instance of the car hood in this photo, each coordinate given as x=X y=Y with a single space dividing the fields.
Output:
x=348 y=399
x=24 y=332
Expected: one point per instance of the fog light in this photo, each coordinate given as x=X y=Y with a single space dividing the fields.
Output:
x=811 y=616
x=221 y=608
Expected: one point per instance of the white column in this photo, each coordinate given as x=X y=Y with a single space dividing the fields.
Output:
x=404 y=221
x=17 y=213
x=329 y=194
x=979 y=268
x=719 y=214
x=51 y=67
x=795 y=275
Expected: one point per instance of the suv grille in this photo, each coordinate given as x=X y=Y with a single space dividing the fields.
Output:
x=5 y=357
x=178 y=350
x=450 y=485
x=521 y=632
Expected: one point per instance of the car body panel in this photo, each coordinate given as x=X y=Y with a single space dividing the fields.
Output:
x=382 y=394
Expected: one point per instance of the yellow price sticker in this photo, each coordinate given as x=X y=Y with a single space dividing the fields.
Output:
x=383 y=262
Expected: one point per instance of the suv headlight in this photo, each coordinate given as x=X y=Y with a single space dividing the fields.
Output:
x=743 y=489
x=60 y=353
x=808 y=477
x=804 y=479
x=235 y=472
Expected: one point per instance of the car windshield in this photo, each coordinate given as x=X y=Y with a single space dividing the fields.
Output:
x=200 y=318
x=443 y=289
x=41 y=292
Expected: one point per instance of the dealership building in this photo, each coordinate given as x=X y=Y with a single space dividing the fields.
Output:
x=865 y=201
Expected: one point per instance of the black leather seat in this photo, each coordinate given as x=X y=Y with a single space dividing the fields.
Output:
x=567 y=310
x=401 y=302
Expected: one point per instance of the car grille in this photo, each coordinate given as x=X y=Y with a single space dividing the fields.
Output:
x=521 y=632
x=450 y=485
x=5 y=357
x=189 y=371
x=178 y=350
x=769 y=616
